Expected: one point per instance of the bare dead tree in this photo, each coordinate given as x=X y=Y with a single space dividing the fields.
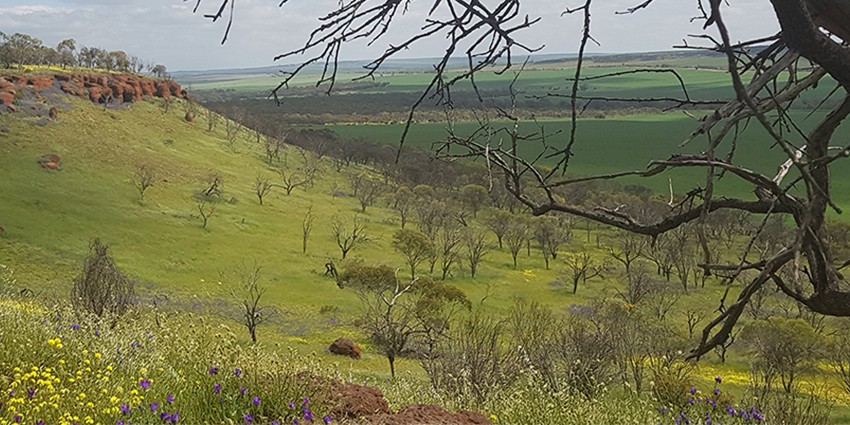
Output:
x=348 y=235
x=262 y=186
x=212 y=119
x=249 y=294
x=292 y=179
x=515 y=235
x=626 y=248
x=448 y=243
x=232 y=128
x=476 y=248
x=582 y=267
x=272 y=147
x=306 y=228
x=366 y=189
x=810 y=46
x=207 y=211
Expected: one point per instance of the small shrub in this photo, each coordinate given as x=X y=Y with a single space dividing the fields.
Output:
x=101 y=288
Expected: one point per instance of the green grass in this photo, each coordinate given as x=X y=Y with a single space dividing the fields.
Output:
x=50 y=217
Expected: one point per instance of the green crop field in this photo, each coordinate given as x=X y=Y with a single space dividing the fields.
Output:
x=623 y=143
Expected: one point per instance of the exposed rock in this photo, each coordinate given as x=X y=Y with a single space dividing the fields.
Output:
x=190 y=116
x=357 y=401
x=49 y=161
x=53 y=112
x=97 y=88
x=345 y=347
x=6 y=98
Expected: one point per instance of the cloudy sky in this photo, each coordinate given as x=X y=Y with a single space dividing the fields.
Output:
x=166 y=31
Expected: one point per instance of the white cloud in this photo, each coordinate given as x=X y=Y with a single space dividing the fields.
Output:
x=35 y=9
x=165 y=31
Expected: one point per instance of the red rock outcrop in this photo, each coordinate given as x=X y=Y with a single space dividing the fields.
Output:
x=94 y=87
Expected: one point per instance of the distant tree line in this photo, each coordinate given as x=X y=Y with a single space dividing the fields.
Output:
x=17 y=50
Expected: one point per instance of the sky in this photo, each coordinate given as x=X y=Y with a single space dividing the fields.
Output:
x=167 y=32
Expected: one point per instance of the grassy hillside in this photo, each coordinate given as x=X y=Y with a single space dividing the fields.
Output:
x=50 y=216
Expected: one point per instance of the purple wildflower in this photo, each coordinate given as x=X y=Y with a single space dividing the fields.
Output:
x=717 y=391
x=97 y=332
x=305 y=400
x=327 y=419
x=275 y=422
x=30 y=392
x=693 y=390
x=308 y=415
x=154 y=406
x=125 y=408
x=75 y=326
x=170 y=398
x=243 y=390
x=256 y=400
x=39 y=423
x=18 y=419
x=145 y=383
x=213 y=370
x=718 y=379
x=165 y=416
x=175 y=417
x=217 y=388
x=237 y=372
x=119 y=422
x=248 y=418
x=295 y=421
x=291 y=405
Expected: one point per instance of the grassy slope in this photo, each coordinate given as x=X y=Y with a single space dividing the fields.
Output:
x=50 y=217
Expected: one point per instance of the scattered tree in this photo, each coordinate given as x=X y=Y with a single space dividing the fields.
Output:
x=396 y=313
x=249 y=294
x=403 y=203
x=499 y=222
x=474 y=198
x=348 y=235
x=414 y=246
x=582 y=267
x=143 y=178
x=159 y=71
x=626 y=248
x=207 y=211
x=306 y=228
x=448 y=244
x=262 y=186
x=476 y=248
x=515 y=235
x=550 y=233
x=366 y=189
